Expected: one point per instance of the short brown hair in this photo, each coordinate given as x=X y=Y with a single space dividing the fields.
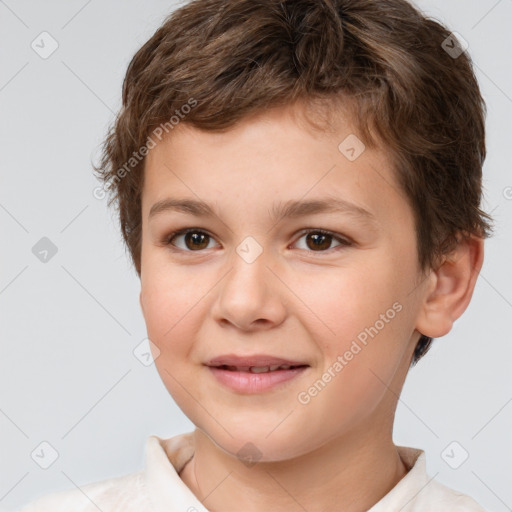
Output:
x=235 y=58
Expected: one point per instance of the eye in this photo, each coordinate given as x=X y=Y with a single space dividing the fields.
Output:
x=319 y=240
x=194 y=239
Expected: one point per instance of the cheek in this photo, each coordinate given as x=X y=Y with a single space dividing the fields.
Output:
x=343 y=304
x=172 y=306
x=172 y=301
x=361 y=325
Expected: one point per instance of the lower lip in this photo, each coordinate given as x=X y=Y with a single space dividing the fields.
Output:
x=247 y=382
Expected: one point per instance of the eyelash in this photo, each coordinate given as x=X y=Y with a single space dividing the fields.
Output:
x=343 y=241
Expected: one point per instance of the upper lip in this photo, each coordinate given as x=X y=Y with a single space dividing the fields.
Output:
x=258 y=360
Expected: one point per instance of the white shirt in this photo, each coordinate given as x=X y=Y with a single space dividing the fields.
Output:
x=159 y=488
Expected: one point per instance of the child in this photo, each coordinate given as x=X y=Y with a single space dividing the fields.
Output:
x=325 y=158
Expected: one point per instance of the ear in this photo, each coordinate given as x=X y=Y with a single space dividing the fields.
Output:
x=450 y=288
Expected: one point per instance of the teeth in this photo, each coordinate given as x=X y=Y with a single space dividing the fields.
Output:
x=263 y=369
x=259 y=369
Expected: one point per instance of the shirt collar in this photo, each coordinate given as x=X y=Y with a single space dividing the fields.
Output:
x=401 y=498
x=165 y=458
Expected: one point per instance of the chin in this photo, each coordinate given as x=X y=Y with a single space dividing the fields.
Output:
x=256 y=445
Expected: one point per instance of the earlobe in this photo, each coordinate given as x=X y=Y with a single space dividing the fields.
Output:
x=450 y=288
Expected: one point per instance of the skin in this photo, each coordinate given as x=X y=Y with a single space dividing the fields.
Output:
x=294 y=301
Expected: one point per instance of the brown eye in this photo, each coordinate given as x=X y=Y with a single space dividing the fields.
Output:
x=318 y=241
x=321 y=241
x=194 y=240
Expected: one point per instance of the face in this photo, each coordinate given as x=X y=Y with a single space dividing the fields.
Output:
x=268 y=272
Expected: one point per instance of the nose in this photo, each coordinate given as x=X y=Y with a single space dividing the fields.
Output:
x=250 y=296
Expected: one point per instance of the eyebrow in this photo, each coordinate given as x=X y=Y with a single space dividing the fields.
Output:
x=287 y=209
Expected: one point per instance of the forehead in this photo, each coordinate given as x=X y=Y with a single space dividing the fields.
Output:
x=275 y=156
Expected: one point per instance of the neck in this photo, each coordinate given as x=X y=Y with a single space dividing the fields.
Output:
x=355 y=471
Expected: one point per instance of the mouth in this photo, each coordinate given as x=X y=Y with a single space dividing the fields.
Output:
x=259 y=369
x=258 y=363
x=254 y=374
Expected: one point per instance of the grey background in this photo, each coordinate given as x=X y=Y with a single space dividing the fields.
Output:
x=69 y=326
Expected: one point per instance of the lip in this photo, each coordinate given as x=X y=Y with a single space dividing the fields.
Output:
x=253 y=360
x=246 y=382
